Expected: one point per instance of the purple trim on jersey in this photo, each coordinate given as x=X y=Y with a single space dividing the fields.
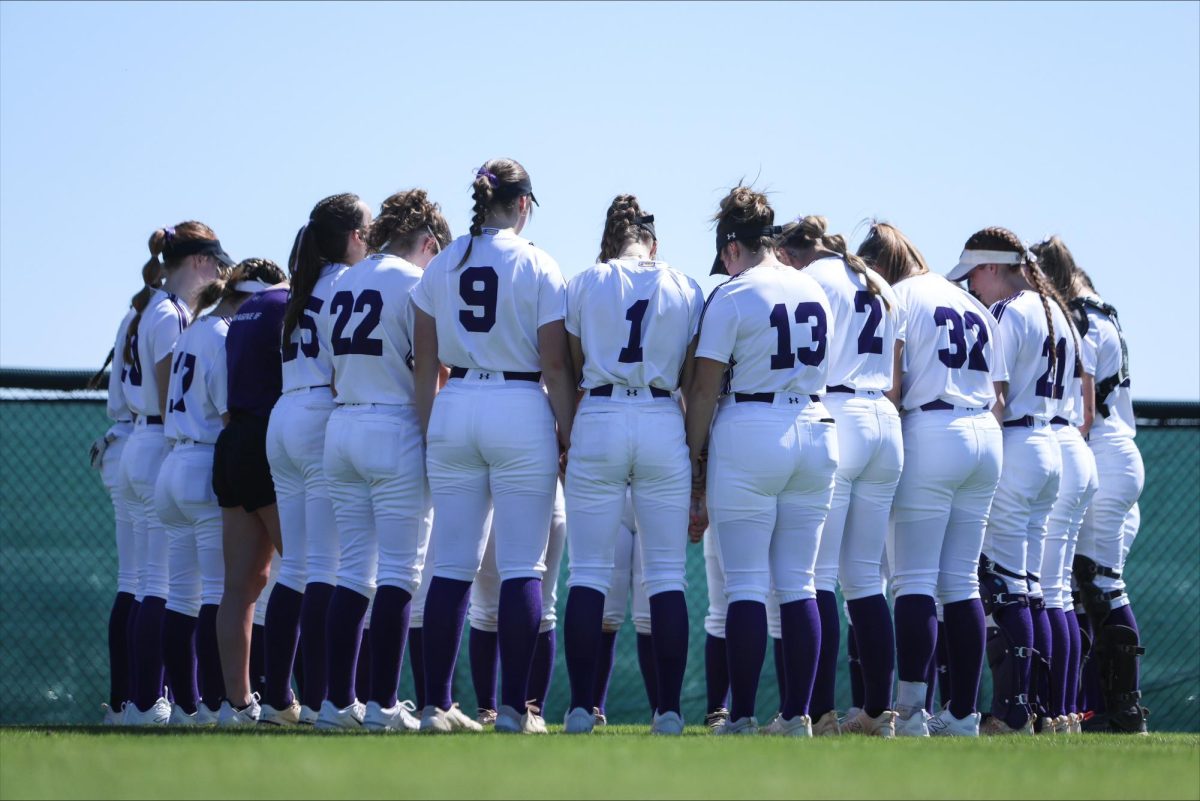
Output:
x=180 y=309
x=999 y=306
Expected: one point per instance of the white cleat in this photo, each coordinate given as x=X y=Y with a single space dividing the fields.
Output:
x=330 y=717
x=579 y=721
x=944 y=724
x=181 y=718
x=851 y=714
x=288 y=716
x=798 y=726
x=1076 y=723
x=159 y=714
x=395 y=718
x=230 y=717
x=668 y=723
x=828 y=725
x=915 y=725
x=716 y=719
x=741 y=726
x=308 y=716
x=995 y=727
x=485 y=717
x=882 y=726
x=206 y=716
x=532 y=721
x=113 y=717
x=601 y=720
x=508 y=720
x=449 y=721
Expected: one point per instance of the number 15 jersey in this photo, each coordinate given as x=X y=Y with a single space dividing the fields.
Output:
x=635 y=320
x=488 y=311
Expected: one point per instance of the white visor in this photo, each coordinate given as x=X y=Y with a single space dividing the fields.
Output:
x=252 y=287
x=970 y=259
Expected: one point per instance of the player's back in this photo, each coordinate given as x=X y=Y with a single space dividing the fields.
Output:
x=773 y=325
x=118 y=402
x=862 y=355
x=305 y=363
x=1036 y=365
x=1114 y=399
x=368 y=330
x=635 y=319
x=197 y=395
x=947 y=344
x=161 y=323
x=489 y=309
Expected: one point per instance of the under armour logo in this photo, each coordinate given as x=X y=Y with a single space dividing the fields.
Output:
x=730 y=236
x=632 y=393
x=793 y=400
x=485 y=376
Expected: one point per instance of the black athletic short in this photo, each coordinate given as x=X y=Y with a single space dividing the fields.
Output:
x=241 y=474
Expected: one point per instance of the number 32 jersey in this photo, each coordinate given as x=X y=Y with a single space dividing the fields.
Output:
x=635 y=320
x=947 y=337
x=367 y=330
x=773 y=326
x=862 y=356
x=488 y=311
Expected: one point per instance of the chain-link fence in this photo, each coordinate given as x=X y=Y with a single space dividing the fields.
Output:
x=58 y=565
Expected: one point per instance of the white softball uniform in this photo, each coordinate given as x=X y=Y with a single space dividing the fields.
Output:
x=773 y=448
x=184 y=497
x=870 y=446
x=714 y=573
x=161 y=323
x=296 y=447
x=635 y=320
x=626 y=587
x=1016 y=529
x=118 y=435
x=491 y=437
x=374 y=454
x=484 y=610
x=952 y=443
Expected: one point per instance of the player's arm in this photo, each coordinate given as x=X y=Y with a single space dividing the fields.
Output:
x=893 y=394
x=687 y=372
x=1001 y=388
x=707 y=376
x=576 y=357
x=162 y=374
x=557 y=373
x=425 y=366
x=1089 y=403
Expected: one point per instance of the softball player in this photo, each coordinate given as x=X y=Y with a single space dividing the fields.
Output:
x=774 y=452
x=491 y=306
x=1079 y=483
x=632 y=322
x=952 y=457
x=334 y=237
x=375 y=460
x=192 y=257
x=1034 y=353
x=184 y=500
x=1111 y=522
x=870 y=458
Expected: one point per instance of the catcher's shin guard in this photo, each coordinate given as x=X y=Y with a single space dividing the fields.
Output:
x=1004 y=660
x=1119 y=651
x=1097 y=602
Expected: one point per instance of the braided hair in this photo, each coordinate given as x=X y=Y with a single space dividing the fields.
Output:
x=623 y=225
x=403 y=218
x=810 y=232
x=262 y=270
x=494 y=175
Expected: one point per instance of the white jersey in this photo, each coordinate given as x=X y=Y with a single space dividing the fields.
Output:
x=196 y=398
x=1036 y=366
x=773 y=326
x=862 y=356
x=118 y=405
x=489 y=310
x=947 y=337
x=162 y=322
x=1072 y=405
x=635 y=320
x=1111 y=361
x=367 y=328
x=305 y=362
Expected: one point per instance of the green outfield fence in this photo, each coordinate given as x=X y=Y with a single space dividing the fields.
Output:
x=58 y=563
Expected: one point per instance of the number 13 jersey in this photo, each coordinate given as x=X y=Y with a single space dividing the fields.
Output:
x=488 y=311
x=862 y=356
x=635 y=320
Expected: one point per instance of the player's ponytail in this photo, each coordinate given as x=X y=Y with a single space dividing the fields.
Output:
x=322 y=240
x=810 y=232
x=259 y=271
x=625 y=223
x=403 y=218
x=890 y=253
x=1058 y=265
x=498 y=184
x=161 y=262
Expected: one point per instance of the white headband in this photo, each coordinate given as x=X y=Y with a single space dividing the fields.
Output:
x=251 y=287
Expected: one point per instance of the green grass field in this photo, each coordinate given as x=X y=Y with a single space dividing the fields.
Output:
x=620 y=762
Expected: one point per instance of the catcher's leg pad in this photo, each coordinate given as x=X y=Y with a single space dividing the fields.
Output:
x=1096 y=601
x=1004 y=659
x=1119 y=651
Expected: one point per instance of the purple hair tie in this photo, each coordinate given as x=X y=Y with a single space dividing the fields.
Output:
x=492 y=179
x=169 y=233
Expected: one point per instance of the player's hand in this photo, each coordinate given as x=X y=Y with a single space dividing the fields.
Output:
x=697 y=517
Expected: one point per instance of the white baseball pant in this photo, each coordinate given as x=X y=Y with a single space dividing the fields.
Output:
x=1108 y=529
x=140 y=463
x=187 y=507
x=714 y=620
x=626 y=584
x=110 y=474
x=1075 y=491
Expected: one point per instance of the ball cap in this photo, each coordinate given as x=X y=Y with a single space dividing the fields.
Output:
x=204 y=247
x=738 y=232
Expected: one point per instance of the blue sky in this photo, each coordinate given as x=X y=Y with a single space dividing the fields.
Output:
x=1078 y=119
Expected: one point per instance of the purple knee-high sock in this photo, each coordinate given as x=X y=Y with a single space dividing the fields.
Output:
x=483 y=647
x=298 y=669
x=1091 y=699
x=179 y=658
x=541 y=673
x=313 y=618
x=745 y=647
x=118 y=650
x=604 y=668
x=854 y=667
x=518 y=619
x=282 y=628
x=1016 y=622
x=362 y=666
x=780 y=670
x=876 y=650
x=258 y=659
x=1123 y=616
x=416 y=663
x=1074 y=653
x=669 y=629
x=208 y=657
x=965 y=634
x=941 y=658
x=445 y=613
x=931 y=676
x=148 y=654
x=645 y=655
x=1060 y=655
x=801 y=626
x=131 y=665
x=916 y=635
x=825 y=685
x=1043 y=643
x=343 y=639
x=389 y=627
x=716 y=673
x=582 y=639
